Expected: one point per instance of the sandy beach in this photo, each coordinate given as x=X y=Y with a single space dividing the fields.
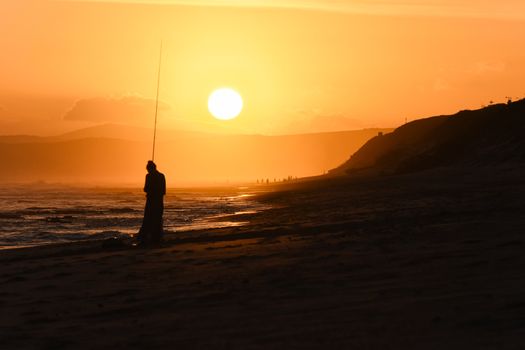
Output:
x=262 y=174
x=423 y=261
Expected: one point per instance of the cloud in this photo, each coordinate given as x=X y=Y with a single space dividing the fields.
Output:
x=448 y=8
x=130 y=109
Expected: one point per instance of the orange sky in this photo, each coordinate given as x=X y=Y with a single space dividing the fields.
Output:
x=301 y=65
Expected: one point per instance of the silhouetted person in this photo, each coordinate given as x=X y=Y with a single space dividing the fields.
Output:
x=155 y=188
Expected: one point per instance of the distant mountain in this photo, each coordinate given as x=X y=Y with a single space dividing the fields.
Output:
x=117 y=154
x=22 y=139
x=485 y=137
x=124 y=132
x=109 y=131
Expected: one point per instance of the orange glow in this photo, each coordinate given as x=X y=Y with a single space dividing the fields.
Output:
x=295 y=67
x=302 y=66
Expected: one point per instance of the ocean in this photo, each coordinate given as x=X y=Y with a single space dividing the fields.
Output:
x=38 y=215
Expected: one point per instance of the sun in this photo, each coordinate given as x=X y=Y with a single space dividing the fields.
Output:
x=225 y=103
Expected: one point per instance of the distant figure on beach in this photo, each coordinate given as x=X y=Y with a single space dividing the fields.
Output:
x=155 y=188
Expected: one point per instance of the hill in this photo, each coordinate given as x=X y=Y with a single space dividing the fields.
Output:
x=116 y=154
x=485 y=137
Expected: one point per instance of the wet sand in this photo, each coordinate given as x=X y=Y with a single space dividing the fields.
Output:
x=426 y=261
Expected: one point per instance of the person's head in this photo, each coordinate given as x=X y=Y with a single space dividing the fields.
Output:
x=151 y=167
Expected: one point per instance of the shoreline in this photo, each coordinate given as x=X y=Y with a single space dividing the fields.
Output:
x=30 y=220
x=405 y=262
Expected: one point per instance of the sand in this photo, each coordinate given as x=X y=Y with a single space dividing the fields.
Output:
x=425 y=261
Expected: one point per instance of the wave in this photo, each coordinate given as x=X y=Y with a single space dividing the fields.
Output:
x=123 y=210
x=10 y=215
x=78 y=216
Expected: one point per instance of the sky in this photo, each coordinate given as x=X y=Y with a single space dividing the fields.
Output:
x=300 y=65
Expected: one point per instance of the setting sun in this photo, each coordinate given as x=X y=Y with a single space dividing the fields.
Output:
x=237 y=173
x=225 y=103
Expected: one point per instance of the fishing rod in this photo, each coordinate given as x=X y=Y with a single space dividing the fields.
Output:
x=156 y=104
